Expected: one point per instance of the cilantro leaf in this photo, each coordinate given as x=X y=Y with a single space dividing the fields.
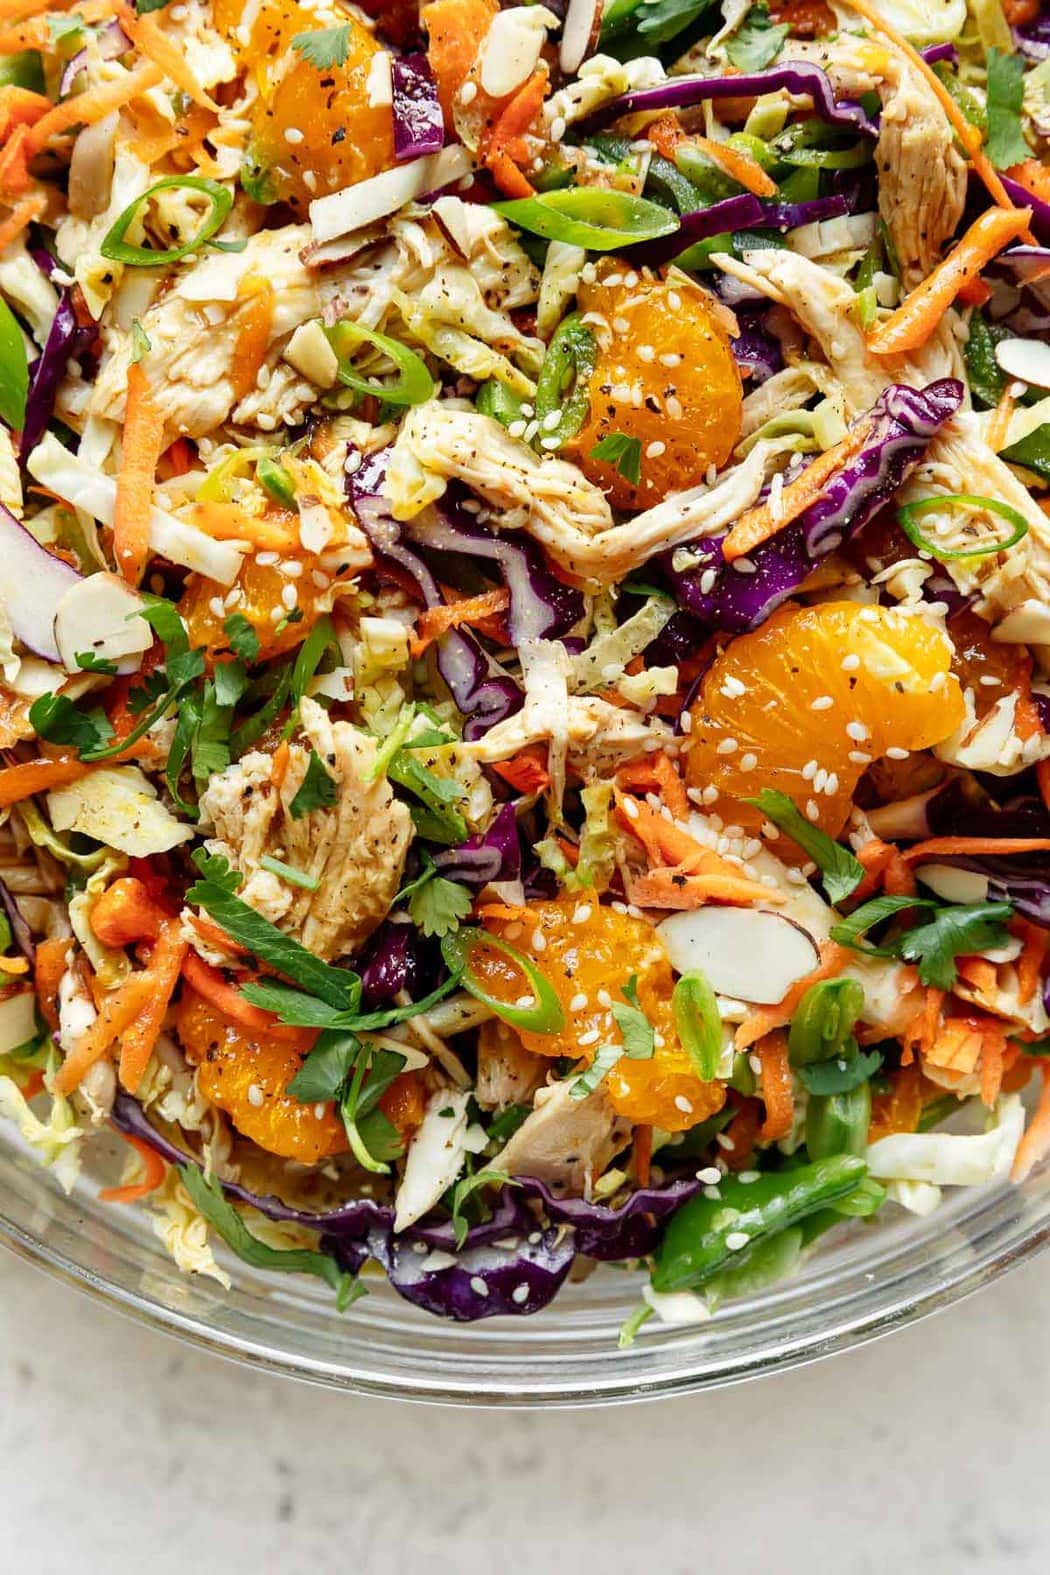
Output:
x=985 y=376
x=299 y=1010
x=665 y=19
x=244 y=642
x=637 y=1030
x=164 y=620
x=438 y=906
x=317 y=790
x=624 y=452
x=757 y=42
x=605 y=1059
x=847 y=932
x=952 y=932
x=210 y=748
x=88 y=662
x=324 y=47
x=336 y=987
x=841 y=1074
x=210 y=1201
x=465 y=1188
x=437 y=795
x=841 y=873
x=322 y=1075
x=1006 y=144
x=217 y=869
x=60 y=721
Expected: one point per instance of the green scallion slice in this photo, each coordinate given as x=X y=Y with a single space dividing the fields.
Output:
x=910 y=512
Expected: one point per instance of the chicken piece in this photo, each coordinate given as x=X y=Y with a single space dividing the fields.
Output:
x=566 y=1142
x=354 y=850
x=600 y=736
x=825 y=306
x=508 y=1074
x=550 y=498
x=922 y=174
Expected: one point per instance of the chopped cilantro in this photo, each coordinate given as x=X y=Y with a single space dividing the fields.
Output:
x=637 y=1030
x=757 y=41
x=437 y=906
x=317 y=790
x=840 y=1074
x=324 y=47
x=1006 y=144
x=244 y=642
x=88 y=662
x=60 y=721
x=466 y=1188
x=955 y=930
x=841 y=873
x=624 y=452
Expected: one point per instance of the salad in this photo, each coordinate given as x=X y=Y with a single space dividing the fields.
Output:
x=524 y=613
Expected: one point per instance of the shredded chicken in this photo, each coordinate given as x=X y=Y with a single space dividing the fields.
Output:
x=565 y=1142
x=354 y=851
x=552 y=499
x=508 y=1074
x=922 y=175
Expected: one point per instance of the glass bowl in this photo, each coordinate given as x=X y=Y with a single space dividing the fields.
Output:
x=867 y=1281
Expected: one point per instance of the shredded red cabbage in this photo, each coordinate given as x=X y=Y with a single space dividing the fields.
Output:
x=419 y=126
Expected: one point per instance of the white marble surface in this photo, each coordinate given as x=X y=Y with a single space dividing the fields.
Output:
x=121 y=1451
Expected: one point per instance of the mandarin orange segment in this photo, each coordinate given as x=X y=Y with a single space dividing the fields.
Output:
x=589 y=953
x=315 y=128
x=806 y=702
x=263 y=587
x=247 y=1075
x=666 y=378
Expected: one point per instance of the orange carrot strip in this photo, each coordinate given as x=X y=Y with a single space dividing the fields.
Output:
x=739 y=166
x=126 y=912
x=141 y=447
x=14 y=167
x=777 y=1094
x=506 y=174
x=150 y=41
x=936 y=847
x=760 y=523
x=656 y=774
x=282 y=757
x=1029 y=964
x=507 y=138
x=139 y=1038
x=38 y=776
x=741 y=1135
x=992 y=1065
x=677 y=858
x=918 y=315
x=84 y=109
x=155 y=1170
x=52 y=960
x=525 y=772
x=437 y=621
x=833 y=958
x=1035 y=1145
x=968 y=135
x=680 y=890
x=20 y=107
x=230 y=522
x=209 y=983
x=923 y=1028
x=117 y=1012
x=999 y=425
x=22 y=214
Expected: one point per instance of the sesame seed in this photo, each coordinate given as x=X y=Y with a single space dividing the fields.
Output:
x=671 y=359
x=630 y=809
x=857 y=757
x=683 y=1104
x=858 y=731
x=604 y=999
x=589 y=1038
x=578 y=1002
x=674 y=408
x=582 y=913
x=655 y=449
x=539 y=941
x=812 y=809
x=896 y=753
x=557 y=128
x=217 y=606
x=468 y=92
x=550 y=443
x=520 y=1294
x=550 y=420
x=289 y=596
x=736 y=1239
x=478 y=1286
x=646 y=353
x=822 y=703
x=525 y=1002
x=710 y=1175
x=621 y=325
x=255 y=1095
x=727 y=746
x=748 y=762
x=266 y=560
x=709 y=794
x=674 y=301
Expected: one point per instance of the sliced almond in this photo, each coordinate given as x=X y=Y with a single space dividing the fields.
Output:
x=751 y=954
x=578 y=34
x=1026 y=359
x=97 y=616
x=357 y=206
x=952 y=884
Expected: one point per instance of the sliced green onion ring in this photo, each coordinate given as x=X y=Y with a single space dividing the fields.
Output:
x=568 y=364
x=14 y=370
x=118 y=250
x=594 y=217
x=699 y=1024
x=544 y=1016
x=413 y=385
x=910 y=512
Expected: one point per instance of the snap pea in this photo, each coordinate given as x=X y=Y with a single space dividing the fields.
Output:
x=766 y=1263
x=865 y=1200
x=838 y=1123
x=496 y=400
x=824 y=1021
x=699 y=1025
x=563 y=386
x=702 y=1237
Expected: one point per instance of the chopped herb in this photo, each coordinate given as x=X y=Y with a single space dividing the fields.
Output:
x=321 y=1077
x=90 y=663
x=840 y=1075
x=1005 y=90
x=140 y=345
x=955 y=930
x=465 y=1189
x=438 y=906
x=624 y=452
x=637 y=1030
x=985 y=376
x=317 y=790
x=57 y=719
x=504 y=1126
x=217 y=869
x=841 y=872
x=324 y=47
x=285 y=872
x=605 y=1059
x=244 y=642
x=1033 y=452
x=757 y=41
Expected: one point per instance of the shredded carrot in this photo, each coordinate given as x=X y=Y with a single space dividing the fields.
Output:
x=1030 y=963
x=957 y=1047
x=282 y=756
x=254 y=328
x=209 y=983
x=741 y=1135
x=211 y=935
x=526 y=772
x=899 y=1109
x=938 y=847
x=922 y=1029
x=154 y=1170
x=126 y=912
x=117 y=1012
x=833 y=958
x=38 y=776
x=642 y=1154
x=682 y=871
x=1035 y=1145
x=15 y=178
x=21 y=216
x=437 y=621
x=20 y=107
x=993 y=1051
x=981 y=976
x=52 y=960
x=138 y=1040
x=149 y=39
x=776 y=1085
x=969 y=136
x=884 y=867
x=231 y=522
x=738 y=165
x=677 y=889
x=85 y=109
x=506 y=148
x=919 y=314
x=760 y=523
x=141 y=447
x=656 y=774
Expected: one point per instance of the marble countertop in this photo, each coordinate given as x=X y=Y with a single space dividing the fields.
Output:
x=924 y=1453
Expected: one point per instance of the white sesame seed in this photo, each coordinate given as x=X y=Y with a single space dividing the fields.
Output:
x=896 y=753
x=289 y=596
x=293 y=135
x=809 y=771
x=812 y=809
x=550 y=443
x=266 y=560
x=822 y=703
x=646 y=353
x=727 y=746
x=630 y=809
x=674 y=408
x=655 y=449
x=217 y=606
x=858 y=731
x=604 y=999
x=582 y=913
x=525 y=1002
x=683 y=1104
x=850 y=663
x=748 y=762
x=520 y=1294
x=709 y=794
x=478 y=1285
x=538 y=941
x=255 y=1095
x=578 y=1002
x=468 y=92
x=557 y=128
x=674 y=301
x=589 y=1038
x=736 y=1239
x=710 y=1175
x=550 y=420
x=857 y=757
